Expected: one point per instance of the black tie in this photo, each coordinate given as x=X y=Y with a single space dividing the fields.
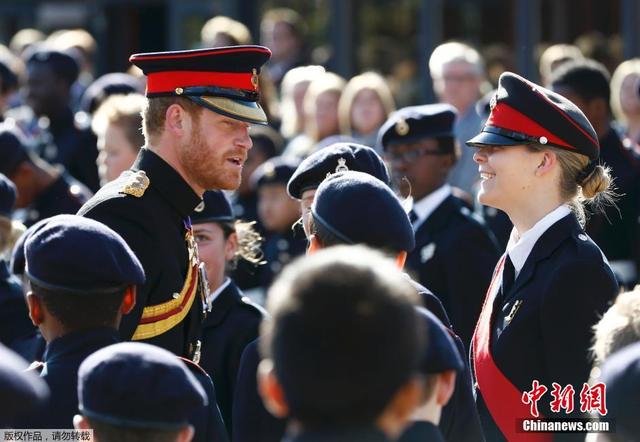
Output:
x=508 y=275
x=412 y=216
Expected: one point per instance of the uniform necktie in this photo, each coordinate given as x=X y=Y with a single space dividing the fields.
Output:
x=508 y=276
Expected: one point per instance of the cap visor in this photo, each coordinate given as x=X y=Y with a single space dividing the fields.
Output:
x=491 y=139
x=248 y=111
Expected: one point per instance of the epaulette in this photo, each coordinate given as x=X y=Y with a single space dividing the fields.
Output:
x=245 y=300
x=135 y=183
x=36 y=366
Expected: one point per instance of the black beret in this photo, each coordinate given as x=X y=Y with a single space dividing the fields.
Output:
x=224 y=79
x=276 y=170
x=63 y=64
x=109 y=84
x=21 y=390
x=12 y=150
x=138 y=385
x=215 y=207
x=621 y=376
x=335 y=158
x=77 y=254
x=442 y=353
x=523 y=112
x=360 y=209
x=7 y=196
x=414 y=123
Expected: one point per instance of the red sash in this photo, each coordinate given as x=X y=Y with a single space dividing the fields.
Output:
x=503 y=399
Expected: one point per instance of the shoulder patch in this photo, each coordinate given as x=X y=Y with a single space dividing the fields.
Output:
x=246 y=301
x=135 y=183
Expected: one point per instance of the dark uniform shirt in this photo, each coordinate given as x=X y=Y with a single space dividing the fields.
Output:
x=279 y=250
x=232 y=323
x=64 y=195
x=62 y=358
x=153 y=223
x=454 y=257
x=562 y=290
x=422 y=432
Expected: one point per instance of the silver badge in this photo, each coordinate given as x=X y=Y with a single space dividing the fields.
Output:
x=342 y=165
x=200 y=207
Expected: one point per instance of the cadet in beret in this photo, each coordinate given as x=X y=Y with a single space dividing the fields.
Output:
x=356 y=380
x=538 y=160
x=137 y=392
x=232 y=320
x=455 y=252
x=15 y=327
x=441 y=363
x=113 y=83
x=48 y=119
x=278 y=214
x=82 y=279
x=42 y=190
x=196 y=127
x=21 y=390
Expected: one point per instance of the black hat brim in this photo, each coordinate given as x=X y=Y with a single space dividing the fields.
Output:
x=492 y=139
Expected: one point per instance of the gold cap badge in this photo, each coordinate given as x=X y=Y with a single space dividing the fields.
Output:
x=254 y=78
x=402 y=127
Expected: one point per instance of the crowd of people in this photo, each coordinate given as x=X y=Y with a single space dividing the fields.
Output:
x=303 y=259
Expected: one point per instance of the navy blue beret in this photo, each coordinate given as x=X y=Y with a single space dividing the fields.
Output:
x=523 y=112
x=7 y=196
x=414 y=123
x=621 y=376
x=109 y=84
x=21 y=390
x=360 y=209
x=12 y=150
x=77 y=254
x=442 y=353
x=276 y=170
x=63 y=64
x=215 y=207
x=138 y=385
x=18 y=261
x=335 y=158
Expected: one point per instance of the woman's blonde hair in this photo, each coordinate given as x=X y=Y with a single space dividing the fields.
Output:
x=291 y=123
x=365 y=81
x=581 y=183
x=624 y=69
x=327 y=82
x=10 y=231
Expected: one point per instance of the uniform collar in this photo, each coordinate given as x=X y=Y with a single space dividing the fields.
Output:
x=428 y=204
x=216 y=293
x=520 y=246
x=167 y=181
x=80 y=342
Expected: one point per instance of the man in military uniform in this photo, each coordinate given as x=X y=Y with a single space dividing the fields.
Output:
x=43 y=190
x=48 y=120
x=200 y=106
x=455 y=252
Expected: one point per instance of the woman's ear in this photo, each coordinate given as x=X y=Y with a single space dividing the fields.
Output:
x=231 y=247
x=546 y=163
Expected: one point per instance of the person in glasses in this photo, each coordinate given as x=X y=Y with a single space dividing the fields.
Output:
x=455 y=252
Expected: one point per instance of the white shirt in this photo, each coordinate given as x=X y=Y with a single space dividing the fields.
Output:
x=520 y=246
x=213 y=295
x=428 y=204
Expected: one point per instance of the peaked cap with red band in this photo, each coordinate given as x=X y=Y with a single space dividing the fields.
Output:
x=224 y=80
x=524 y=113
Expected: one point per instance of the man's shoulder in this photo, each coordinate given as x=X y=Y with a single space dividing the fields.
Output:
x=127 y=194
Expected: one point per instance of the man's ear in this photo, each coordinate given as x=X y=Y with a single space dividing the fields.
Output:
x=271 y=391
x=398 y=411
x=186 y=434
x=314 y=245
x=177 y=121
x=36 y=312
x=401 y=259
x=446 y=385
x=129 y=300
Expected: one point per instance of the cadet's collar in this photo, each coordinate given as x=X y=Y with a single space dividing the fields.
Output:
x=80 y=341
x=167 y=181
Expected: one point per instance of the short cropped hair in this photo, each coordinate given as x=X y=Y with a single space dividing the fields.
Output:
x=80 y=311
x=153 y=114
x=586 y=78
x=344 y=337
x=123 y=111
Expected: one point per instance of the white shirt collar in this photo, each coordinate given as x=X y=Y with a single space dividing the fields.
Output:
x=520 y=246
x=428 y=204
x=213 y=295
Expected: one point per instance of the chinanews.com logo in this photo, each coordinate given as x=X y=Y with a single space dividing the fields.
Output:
x=592 y=401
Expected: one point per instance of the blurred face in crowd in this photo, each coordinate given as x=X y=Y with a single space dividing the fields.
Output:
x=630 y=94
x=215 y=150
x=46 y=93
x=507 y=175
x=276 y=209
x=422 y=164
x=367 y=112
x=459 y=85
x=305 y=207
x=117 y=153
x=327 y=114
x=298 y=99
x=283 y=42
x=214 y=250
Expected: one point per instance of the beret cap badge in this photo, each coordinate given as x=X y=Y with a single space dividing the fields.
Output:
x=342 y=165
x=402 y=127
